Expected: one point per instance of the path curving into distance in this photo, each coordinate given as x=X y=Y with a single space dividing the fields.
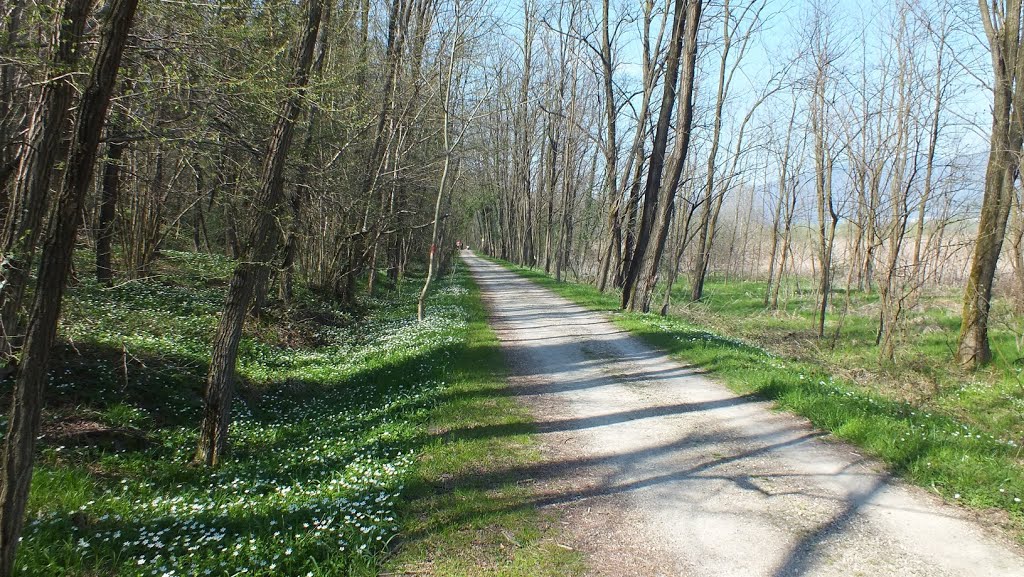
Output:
x=657 y=470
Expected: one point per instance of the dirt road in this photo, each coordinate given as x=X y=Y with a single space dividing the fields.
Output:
x=660 y=471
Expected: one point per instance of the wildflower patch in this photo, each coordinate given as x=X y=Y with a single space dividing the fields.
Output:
x=321 y=445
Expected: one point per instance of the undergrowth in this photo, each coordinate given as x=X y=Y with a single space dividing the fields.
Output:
x=330 y=430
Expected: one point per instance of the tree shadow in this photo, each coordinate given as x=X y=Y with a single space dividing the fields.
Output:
x=847 y=490
x=577 y=424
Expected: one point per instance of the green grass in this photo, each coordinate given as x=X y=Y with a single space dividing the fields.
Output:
x=332 y=448
x=930 y=446
x=923 y=371
x=485 y=527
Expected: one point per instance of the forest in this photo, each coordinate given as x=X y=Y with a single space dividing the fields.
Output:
x=213 y=214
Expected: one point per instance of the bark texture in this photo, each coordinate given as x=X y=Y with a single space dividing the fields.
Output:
x=652 y=189
x=23 y=222
x=1004 y=36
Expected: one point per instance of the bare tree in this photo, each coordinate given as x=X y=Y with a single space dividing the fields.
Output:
x=659 y=199
x=823 y=55
x=450 y=85
x=785 y=207
x=737 y=32
x=901 y=179
x=680 y=152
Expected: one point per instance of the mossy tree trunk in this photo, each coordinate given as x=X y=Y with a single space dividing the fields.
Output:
x=1003 y=31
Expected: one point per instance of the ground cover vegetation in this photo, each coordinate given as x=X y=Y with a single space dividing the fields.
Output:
x=337 y=438
x=961 y=442
x=322 y=445
x=310 y=142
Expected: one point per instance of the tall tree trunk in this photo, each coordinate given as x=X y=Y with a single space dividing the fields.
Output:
x=630 y=218
x=29 y=200
x=684 y=121
x=777 y=218
x=55 y=264
x=610 y=150
x=449 y=151
x=12 y=115
x=111 y=189
x=301 y=190
x=823 y=165
x=703 y=253
x=109 y=195
x=933 y=138
x=901 y=180
x=259 y=249
x=1005 y=41
x=552 y=180
x=632 y=172
x=657 y=159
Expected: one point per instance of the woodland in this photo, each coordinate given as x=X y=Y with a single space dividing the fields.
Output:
x=813 y=176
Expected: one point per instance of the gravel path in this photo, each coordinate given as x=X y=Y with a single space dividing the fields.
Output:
x=657 y=470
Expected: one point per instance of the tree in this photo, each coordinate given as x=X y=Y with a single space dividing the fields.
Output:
x=656 y=167
x=785 y=206
x=449 y=84
x=259 y=249
x=29 y=201
x=55 y=264
x=610 y=146
x=111 y=191
x=902 y=175
x=1002 y=22
x=680 y=152
x=823 y=56
x=712 y=198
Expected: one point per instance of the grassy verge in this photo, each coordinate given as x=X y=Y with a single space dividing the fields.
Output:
x=330 y=436
x=481 y=528
x=929 y=447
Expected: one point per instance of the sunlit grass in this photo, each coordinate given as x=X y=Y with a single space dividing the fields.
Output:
x=485 y=526
x=923 y=371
